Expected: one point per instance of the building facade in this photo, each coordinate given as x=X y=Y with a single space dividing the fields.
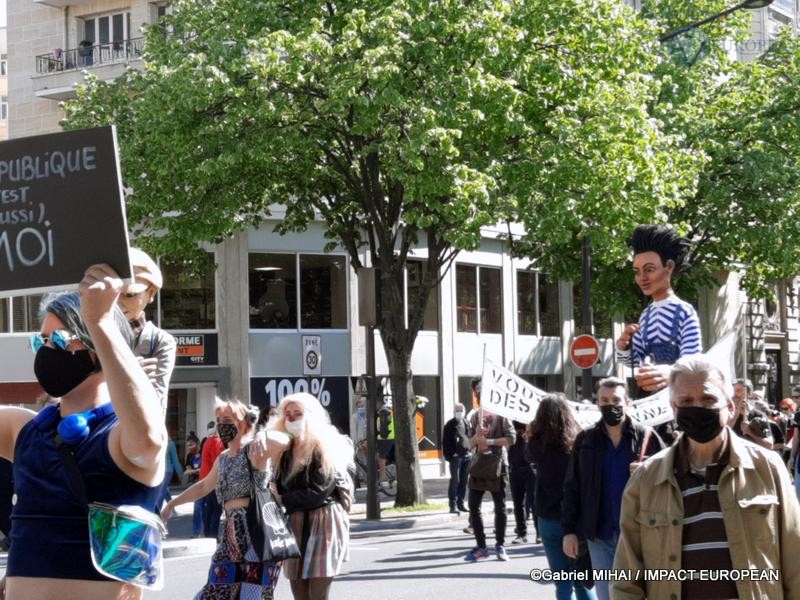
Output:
x=245 y=323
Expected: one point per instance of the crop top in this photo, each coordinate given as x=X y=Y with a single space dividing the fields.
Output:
x=234 y=477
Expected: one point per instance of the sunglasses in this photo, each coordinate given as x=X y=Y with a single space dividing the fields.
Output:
x=60 y=338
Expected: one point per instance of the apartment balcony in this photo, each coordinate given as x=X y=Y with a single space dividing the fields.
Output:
x=58 y=71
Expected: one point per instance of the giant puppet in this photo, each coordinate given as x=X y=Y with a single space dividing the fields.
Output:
x=668 y=328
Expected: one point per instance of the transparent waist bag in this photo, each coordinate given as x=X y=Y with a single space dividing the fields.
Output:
x=126 y=544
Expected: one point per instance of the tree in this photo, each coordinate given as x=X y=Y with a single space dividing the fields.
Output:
x=736 y=128
x=403 y=123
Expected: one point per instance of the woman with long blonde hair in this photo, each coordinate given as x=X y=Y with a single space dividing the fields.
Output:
x=306 y=484
x=245 y=463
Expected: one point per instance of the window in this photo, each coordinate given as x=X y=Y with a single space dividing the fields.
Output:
x=273 y=295
x=3 y=108
x=415 y=270
x=479 y=299
x=273 y=291
x=3 y=64
x=187 y=299
x=549 y=321
x=20 y=314
x=108 y=29
x=537 y=305
x=323 y=292
x=526 y=303
x=603 y=324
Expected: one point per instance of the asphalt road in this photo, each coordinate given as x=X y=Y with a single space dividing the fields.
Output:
x=418 y=563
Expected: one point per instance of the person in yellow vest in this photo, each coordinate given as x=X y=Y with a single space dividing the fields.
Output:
x=385 y=443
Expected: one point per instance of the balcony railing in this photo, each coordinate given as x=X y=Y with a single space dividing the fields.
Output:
x=89 y=56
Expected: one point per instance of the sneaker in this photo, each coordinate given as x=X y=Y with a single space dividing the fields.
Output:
x=468 y=530
x=477 y=554
x=501 y=552
x=520 y=539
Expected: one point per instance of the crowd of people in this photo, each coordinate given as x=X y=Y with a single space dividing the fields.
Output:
x=712 y=493
x=102 y=441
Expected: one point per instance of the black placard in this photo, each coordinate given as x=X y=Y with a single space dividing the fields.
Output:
x=61 y=210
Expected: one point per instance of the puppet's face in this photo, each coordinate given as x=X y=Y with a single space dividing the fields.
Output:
x=652 y=275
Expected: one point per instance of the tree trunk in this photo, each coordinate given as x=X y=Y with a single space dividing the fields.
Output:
x=409 y=475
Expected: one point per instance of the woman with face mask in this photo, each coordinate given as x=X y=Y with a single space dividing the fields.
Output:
x=247 y=461
x=306 y=485
x=109 y=419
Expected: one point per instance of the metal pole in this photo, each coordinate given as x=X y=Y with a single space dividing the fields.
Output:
x=586 y=311
x=373 y=506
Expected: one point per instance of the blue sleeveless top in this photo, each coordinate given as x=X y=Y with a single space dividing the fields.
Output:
x=49 y=526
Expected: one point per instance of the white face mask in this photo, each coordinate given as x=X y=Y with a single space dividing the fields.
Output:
x=459 y=415
x=295 y=427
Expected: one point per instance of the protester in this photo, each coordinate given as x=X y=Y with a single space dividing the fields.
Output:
x=712 y=502
x=742 y=390
x=306 y=485
x=456 y=451
x=212 y=447
x=154 y=346
x=236 y=570
x=794 y=453
x=6 y=493
x=492 y=435
x=384 y=428
x=551 y=436
x=519 y=474
x=191 y=474
x=83 y=356
x=669 y=327
x=602 y=460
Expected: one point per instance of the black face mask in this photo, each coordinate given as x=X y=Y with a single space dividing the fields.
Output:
x=227 y=431
x=701 y=424
x=612 y=414
x=59 y=371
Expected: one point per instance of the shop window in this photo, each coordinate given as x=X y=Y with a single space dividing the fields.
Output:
x=273 y=295
x=323 y=292
x=479 y=299
x=415 y=269
x=188 y=297
x=273 y=291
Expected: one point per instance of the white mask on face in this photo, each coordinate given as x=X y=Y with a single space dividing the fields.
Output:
x=295 y=427
x=459 y=415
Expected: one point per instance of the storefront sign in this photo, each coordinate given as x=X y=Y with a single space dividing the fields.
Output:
x=196 y=349
x=62 y=210
x=332 y=392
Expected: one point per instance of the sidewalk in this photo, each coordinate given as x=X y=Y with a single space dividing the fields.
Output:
x=180 y=542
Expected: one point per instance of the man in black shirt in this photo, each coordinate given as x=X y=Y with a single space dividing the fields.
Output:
x=455 y=446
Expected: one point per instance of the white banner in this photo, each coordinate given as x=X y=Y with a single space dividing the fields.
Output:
x=506 y=394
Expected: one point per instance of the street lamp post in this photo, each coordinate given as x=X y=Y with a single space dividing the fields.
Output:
x=746 y=4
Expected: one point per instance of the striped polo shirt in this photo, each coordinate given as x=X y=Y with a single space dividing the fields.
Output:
x=705 y=542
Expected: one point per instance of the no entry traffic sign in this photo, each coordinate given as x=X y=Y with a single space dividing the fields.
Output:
x=584 y=351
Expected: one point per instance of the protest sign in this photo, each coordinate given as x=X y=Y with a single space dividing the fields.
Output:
x=61 y=210
x=506 y=394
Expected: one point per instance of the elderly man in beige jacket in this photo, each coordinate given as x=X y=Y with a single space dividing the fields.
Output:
x=716 y=513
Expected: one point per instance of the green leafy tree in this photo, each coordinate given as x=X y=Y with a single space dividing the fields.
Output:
x=402 y=123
